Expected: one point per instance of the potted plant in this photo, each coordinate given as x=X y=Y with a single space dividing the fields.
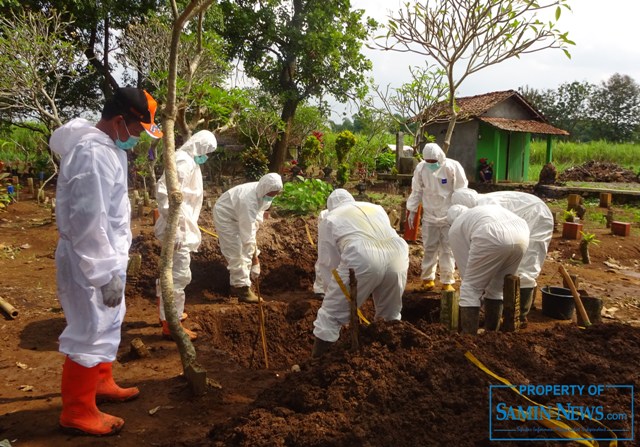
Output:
x=571 y=228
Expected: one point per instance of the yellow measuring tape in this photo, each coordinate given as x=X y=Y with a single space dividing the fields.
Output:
x=208 y=232
x=347 y=295
x=570 y=430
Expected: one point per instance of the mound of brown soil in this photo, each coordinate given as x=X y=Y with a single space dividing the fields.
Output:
x=410 y=387
x=596 y=171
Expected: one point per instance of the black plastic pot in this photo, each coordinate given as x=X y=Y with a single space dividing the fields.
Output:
x=558 y=303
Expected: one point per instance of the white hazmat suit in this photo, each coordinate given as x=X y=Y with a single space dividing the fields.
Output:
x=237 y=216
x=358 y=235
x=535 y=213
x=93 y=218
x=433 y=184
x=188 y=235
x=488 y=242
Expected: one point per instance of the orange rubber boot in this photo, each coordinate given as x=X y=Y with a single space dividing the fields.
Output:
x=166 y=332
x=108 y=390
x=80 y=415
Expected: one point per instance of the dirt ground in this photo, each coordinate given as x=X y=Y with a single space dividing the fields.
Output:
x=409 y=385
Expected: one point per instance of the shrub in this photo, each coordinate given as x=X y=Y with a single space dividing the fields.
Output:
x=255 y=162
x=303 y=197
x=385 y=161
x=345 y=141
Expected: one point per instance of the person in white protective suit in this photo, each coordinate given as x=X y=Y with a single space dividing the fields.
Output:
x=540 y=222
x=434 y=180
x=237 y=215
x=488 y=242
x=93 y=216
x=189 y=157
x=359 y=236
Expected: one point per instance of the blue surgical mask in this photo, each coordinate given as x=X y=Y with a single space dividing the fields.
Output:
x=433 y=166
x=126 y=145
x=268 y=199
x=200 y=159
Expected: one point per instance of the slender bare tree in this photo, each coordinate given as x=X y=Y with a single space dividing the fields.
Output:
x=193 y=372
x=465 y=36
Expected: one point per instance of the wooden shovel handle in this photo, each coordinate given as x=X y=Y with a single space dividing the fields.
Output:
x=576 y=296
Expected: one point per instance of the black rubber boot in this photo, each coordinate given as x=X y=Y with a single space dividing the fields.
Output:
x=492 y=315
x=526 y=300
x=319 y=348
x=469 y=320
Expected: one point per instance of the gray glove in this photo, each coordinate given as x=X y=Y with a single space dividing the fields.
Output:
x=112 y=292
x=410 y=218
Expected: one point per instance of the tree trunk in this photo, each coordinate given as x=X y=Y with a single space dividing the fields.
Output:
x=279 y=154
x=452 y=122
x=152 y=168
x=584 y=251
x=187 y=351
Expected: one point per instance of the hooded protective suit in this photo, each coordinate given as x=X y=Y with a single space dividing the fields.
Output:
x=358 y=235
x=488 y=242
x=93 y=216
x=237 y=215
x=434 y=188
x=530 y=208
x=188 y=235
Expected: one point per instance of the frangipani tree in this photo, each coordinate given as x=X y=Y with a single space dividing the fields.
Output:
x=466 y=36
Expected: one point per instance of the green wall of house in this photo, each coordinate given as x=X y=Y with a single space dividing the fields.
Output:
x=508 y=151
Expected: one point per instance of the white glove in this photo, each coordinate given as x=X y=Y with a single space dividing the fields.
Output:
x=112 y=292
x=410 y=218
x=255 y=271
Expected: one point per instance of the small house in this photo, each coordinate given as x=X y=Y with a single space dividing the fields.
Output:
x=495 y=126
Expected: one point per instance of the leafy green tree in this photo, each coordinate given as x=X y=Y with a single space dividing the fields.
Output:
x=466 y=36
x=616 y=108
x=567 y=107
x=296 y=50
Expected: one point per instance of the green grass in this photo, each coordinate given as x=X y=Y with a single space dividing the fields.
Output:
x=567 y=154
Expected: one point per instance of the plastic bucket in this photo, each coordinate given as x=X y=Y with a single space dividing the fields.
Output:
x=558 y=303
x=593 y=307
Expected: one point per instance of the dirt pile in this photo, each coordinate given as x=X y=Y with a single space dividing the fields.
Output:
x=596 y=171
x=413 y=386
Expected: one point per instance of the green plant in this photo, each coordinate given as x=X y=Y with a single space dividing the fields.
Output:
x=342 y=175
x=255 y=162
x=587 y=240
x=311 y=149
x=385 y=162
x=569 y=215
x=303 y=197
x=345 y=141
x=598 y=217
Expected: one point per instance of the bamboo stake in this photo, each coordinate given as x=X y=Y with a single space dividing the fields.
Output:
x=353 y=304
x=576 y=296
x=263 y=331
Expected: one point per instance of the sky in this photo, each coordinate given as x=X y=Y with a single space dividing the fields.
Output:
x=606 y=33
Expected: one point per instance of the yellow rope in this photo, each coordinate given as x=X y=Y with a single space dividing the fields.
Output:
x=570 y=430
x=347 y=295
x=208 y=232
x=306 y=227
